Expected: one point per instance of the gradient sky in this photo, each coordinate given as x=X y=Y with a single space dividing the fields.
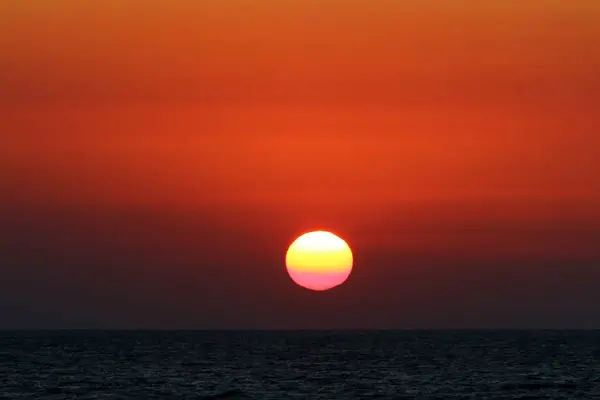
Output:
x=158 y=157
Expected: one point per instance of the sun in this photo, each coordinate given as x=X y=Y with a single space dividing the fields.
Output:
x=319 y=260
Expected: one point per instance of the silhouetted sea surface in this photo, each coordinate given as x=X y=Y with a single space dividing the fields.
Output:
x=300 y=365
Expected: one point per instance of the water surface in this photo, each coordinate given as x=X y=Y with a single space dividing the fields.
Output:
x=300 y=365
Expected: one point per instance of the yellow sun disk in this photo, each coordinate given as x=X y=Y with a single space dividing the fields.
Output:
x=319 y=252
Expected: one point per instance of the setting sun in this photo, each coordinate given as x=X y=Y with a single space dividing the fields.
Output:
x=319 y=260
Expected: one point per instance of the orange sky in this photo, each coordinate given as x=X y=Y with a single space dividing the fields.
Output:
x=464 y=126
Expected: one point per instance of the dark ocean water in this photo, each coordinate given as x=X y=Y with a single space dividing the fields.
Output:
x=300 y=365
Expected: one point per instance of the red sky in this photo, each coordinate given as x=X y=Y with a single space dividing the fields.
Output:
x=174 y=141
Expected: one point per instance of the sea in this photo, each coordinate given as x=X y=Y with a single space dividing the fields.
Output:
x=328 y=365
